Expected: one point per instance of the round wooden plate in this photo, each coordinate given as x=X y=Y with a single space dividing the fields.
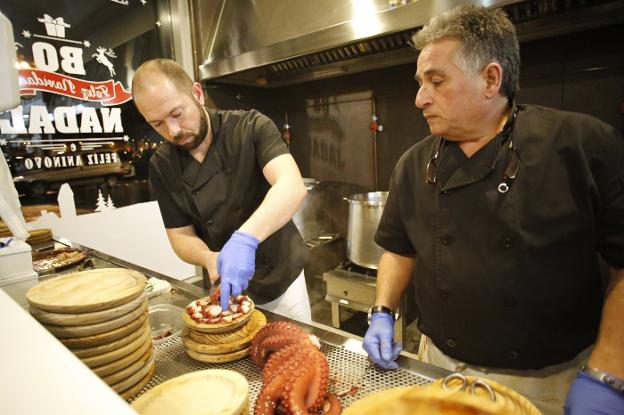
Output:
x=102 y=359
x=133 y=390
x=124 y=362
x=97 y=328
x=218 y=358
x=87 y=291
x=222 y=391
x=80 y=319
x=216 y=327
x=220 y=343
x=57 y=259
x=84 y=352
x=130 y=370
x=134 y=378
x=98 y=339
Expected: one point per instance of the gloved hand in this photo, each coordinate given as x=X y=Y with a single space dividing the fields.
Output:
x=236 y=265
x=587 y=396
x=378 y=341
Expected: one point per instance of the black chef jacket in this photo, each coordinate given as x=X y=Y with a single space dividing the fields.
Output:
x=511 y=280
x=218 y=195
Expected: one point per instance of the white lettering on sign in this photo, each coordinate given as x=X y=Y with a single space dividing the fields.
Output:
x=90 y=123
x=72 y=60
x=65 y=120
x=40 y=121
x=56 y=162
x=16 y=125
x=45 y=56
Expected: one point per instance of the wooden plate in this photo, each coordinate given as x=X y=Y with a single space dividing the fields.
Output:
x=130 y=370
x=57 y=259
x=134 y=378
x=87 y=291
x=80 y=319
x=216 y=327
x=124 y=362
x=102 y=359
x=98 y=339
x=133 y=390
x=97 y=328
x=227 y=342
x=218 y=358
x=222 y=391
x=84 y=352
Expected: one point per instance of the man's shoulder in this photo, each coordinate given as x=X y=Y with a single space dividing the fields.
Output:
x=558 y=118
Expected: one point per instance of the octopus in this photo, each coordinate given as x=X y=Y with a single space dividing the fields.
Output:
x=295 y=373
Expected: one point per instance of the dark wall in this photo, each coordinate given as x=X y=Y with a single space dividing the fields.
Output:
x=330 y=119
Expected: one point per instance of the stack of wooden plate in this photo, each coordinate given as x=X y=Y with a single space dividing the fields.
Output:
x=38 y=236
x=221 y=342
x=101 y=316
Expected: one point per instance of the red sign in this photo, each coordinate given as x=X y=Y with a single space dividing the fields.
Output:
x=109 y=92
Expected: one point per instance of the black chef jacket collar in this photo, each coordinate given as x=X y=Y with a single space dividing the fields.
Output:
x=456 y=169
x=195 y=175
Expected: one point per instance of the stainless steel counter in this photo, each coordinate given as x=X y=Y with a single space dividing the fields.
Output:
x=352 y=375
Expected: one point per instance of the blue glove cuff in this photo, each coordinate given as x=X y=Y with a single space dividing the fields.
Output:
x=246 y=239
x=382 y=316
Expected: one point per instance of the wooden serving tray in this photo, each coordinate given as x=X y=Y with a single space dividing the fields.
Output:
x=80 y=319
x=130 y=370
x=85 y=352
x=87 y=291
x=124 y=362
x=99 y=339
x=216 y=327
x=227 y=342
x=134 y=378
x=113 y=355
x=97 y=328
x=133 y=390
x=218 y=358
x=57 y=259
x=222 y=391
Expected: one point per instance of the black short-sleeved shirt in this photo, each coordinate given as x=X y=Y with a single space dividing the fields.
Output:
x=512 y=280
x=218 y=195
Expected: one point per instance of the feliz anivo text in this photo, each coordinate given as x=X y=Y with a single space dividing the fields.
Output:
x=65 y=161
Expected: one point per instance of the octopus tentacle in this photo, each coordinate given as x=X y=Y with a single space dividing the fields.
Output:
x=274 y=343
x=332 y=405
x=270 y=394
x=284 y=328
x=280 y=359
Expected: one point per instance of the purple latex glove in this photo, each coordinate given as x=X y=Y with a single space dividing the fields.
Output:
x=378 y=341
x=236 y=265
x=587 y=396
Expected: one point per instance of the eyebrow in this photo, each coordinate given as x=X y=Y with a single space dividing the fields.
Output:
x=429 y=72
x=170 y=112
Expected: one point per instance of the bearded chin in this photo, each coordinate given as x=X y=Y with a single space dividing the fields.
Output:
x=201 y=134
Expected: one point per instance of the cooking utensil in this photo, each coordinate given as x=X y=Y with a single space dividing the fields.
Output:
x=215 y=285
x=365 y=211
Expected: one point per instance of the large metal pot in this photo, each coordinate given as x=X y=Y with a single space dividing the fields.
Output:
x=364 y=214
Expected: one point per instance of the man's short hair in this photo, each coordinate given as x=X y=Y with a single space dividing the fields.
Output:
x=168 y=68
x=485 y=36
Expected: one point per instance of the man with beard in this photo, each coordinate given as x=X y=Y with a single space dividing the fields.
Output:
x=227 y=189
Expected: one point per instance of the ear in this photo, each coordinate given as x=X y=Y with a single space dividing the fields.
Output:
x=198 y=92
x=493 y=76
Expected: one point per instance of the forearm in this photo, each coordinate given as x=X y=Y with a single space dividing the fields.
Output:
x=279 y=205
x=608 y=353
x=189 y=247
x=393 y=278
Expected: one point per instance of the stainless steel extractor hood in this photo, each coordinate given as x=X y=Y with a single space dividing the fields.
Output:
x=279 y=42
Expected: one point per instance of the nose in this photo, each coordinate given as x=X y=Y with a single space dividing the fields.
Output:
x=173 y=128
x=423 y=98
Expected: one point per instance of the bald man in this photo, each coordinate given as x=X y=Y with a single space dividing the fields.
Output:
x=227 y=189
